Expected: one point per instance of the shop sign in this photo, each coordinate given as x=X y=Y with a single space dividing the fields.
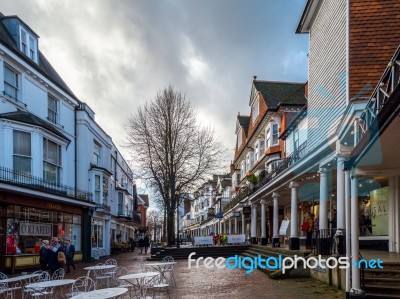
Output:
x=34 y=229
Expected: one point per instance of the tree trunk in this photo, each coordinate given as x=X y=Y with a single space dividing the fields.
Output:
x=164 y=232
x=171 y=229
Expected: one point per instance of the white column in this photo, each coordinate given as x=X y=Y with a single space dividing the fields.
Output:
x=264 y=240
x=236 y=226
x=229 y=226
x=253 y=223
x=243 y=224
x=323 y=199
x=275 y=237
x=293 y=210
x=348 y=225
x=340 y=211
x=355 y=248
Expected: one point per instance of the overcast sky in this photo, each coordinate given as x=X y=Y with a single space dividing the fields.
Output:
x=116 y=54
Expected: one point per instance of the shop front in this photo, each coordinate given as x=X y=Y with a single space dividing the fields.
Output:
x=26 y=222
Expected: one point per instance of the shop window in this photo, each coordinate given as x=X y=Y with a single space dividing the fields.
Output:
x=22 y=154
x=97 y=233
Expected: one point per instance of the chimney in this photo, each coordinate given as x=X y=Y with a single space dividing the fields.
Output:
x=254 y=78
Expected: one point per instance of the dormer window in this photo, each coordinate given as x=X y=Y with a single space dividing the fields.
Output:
x=239 y=138
x=28 y=44
x=255 y=110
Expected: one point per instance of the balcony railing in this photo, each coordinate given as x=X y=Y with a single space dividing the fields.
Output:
x=284 y=164
x=102 y=206
x=25 y=180
x=368 y=121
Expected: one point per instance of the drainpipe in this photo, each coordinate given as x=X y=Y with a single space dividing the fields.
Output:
x=75 y=152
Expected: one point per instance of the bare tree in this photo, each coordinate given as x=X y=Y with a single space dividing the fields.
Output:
x=154 y=222
x=173 y=150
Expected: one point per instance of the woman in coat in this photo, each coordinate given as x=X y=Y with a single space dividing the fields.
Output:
x=43 y=255
x=52 y=255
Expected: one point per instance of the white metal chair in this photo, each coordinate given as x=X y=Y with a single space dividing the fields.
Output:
x=5 y=289
x=58 y=274
x=120 y=283
x=34 y=293
x=101 y=276
x=111 y=271
x=169 y=270
x=82 y=284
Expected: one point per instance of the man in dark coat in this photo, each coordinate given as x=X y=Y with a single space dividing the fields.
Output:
x=70 y=253
x=133 y=244
x=141 y=245
x=43 y=255
x=146 y=243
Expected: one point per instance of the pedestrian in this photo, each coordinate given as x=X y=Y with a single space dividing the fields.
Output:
x=53 y=255
x=146 y=244
x=310 y=221
x=141 y=245
x=70 y=253
x=132 y=243
x=43 y=255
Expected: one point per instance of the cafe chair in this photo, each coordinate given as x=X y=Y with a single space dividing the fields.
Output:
x=110 y=262
x=101 y=276
x=81 y=285
x=120 y=283
x=169 y=270
x=5 y=289
x=58 y=274
x=42 y=276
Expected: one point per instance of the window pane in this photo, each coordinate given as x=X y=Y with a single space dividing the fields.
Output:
x=22 y=164
x=22 y=143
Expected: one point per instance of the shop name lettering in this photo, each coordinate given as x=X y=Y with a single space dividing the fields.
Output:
x=54 y=206
x=32 y=229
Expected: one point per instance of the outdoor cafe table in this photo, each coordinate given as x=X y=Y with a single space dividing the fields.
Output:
x=161 y=267
x=15 y=282
x=99 y=267
x=140 y=280
x=40 y=286
x=101 y=294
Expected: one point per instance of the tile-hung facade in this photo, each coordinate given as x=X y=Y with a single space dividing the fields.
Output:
x=259 y=153
x=348 y=165
x=48 y=170
x=206 y=204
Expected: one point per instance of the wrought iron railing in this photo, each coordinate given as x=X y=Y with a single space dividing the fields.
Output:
x=102 y=206
x=329 y=241
x=283 y=164
x=23 y=179
x=238 y=197
x=389 y=81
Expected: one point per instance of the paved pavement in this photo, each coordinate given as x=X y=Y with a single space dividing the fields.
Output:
x=223 y=283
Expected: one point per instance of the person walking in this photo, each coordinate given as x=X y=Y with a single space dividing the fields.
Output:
x=70 y=253
x=132 y=243
x=141 y=245
x=146 y=244
x=43 y=255
x=53 y=255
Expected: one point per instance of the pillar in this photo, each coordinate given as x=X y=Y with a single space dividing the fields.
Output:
x=253 y=232
x=229 y=226
x=243 y=225
x=275 y=220
x=323 y=199
x=355 y=233
x=264 y=240
x=340 y=211
x=236 y=226
x=294 y=241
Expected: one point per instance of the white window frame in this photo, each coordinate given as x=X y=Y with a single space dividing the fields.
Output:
x=239 y=137
x=256 y=151
x=120 y=203
x=268 y=137
x=46 y=160
x=255 y=109
x=96 y=153
x=11 y=85
x=97 y=188
x=28 y=44
x=17 y=155
x=52 y=112
x=274 y=135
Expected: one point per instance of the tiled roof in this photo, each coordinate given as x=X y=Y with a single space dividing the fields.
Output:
x=29 y=118
x=44 y=67
x=244 y=121
x=281 y=93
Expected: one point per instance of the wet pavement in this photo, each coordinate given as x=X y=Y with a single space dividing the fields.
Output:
x=221 y=283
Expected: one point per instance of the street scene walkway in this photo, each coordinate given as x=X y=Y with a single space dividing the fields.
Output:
x=222 y=283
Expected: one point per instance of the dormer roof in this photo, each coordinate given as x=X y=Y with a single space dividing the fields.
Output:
x=244 y=122
x=276 y=94
x=43 y=66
